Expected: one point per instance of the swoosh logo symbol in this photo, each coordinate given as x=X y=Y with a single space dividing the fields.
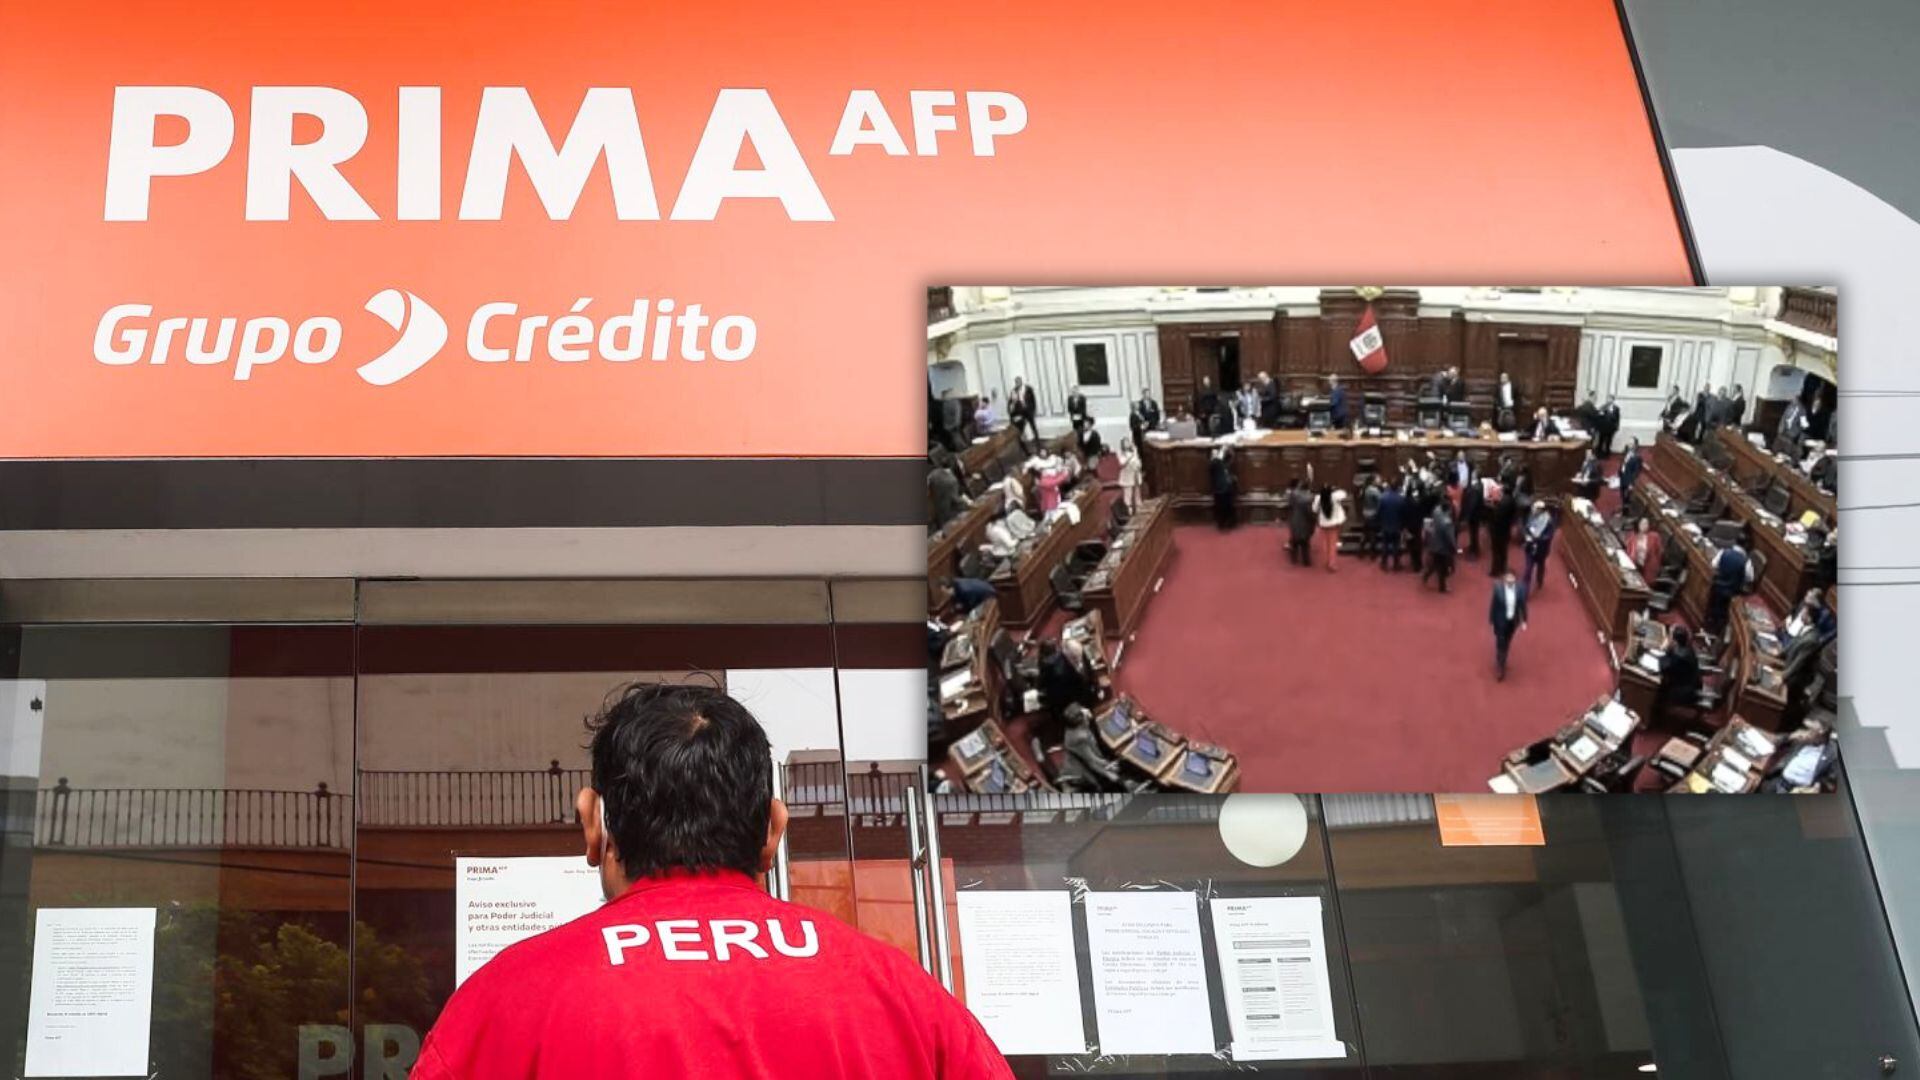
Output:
x=422 y=333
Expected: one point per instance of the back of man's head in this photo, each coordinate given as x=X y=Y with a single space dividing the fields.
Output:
x=685 y=775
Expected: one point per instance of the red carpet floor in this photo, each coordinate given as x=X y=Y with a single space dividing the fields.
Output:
x=1357 y=680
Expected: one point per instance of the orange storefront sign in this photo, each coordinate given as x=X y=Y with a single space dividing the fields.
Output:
x=487 y=228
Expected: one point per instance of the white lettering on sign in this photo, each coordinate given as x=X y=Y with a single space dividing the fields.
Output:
x=743 y=124
x=497 y=331
x=717 y=939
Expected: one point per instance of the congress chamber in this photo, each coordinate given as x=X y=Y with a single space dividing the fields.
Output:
x=1384 y=545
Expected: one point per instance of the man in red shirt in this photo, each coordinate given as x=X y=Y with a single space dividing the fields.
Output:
x=691 y=969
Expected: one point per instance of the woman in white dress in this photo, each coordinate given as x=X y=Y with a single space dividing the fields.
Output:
x=1330 y=505
x=1129 y=474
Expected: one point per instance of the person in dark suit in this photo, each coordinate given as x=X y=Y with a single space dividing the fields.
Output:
x=1021 y=410
x=1088 y=440
x=1506 y=405
x=1732 y=573
x=1416 y=521
x=1695 y=423
x=1149 y=410
x=1676 y=409
x=1220 y=472
x=1737 y=407
x=1392 y=519
x=1206 y=403
x=1336 y=401
x=1630 y=465
x=1062 y=683
x=1456 y=386
x=1500 y=517
x=1269 y=391
x=1607 y=425
x=947 y=500
x=1680 y=671
x=1086 y=765
x=1437 y=385
x=1076 y=407
x=1442 y=541
x=1300 y=523
x=950 y=420
x=1473 y=507
x=1507 y=612
x=1588 y=413
x=1537 y=543
x=969 y=593
x=1542 y=427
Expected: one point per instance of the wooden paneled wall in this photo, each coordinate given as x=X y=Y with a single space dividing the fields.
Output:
x=1301 y=351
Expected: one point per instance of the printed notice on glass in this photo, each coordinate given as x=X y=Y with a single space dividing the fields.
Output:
x=1273 y=970
x=1149 y=973
x=1022 y=979
x=501 y=901
x=90 y=1007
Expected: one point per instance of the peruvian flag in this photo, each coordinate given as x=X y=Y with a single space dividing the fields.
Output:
x=1369 y=348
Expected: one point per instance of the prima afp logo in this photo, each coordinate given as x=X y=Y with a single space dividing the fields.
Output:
x=497 y=332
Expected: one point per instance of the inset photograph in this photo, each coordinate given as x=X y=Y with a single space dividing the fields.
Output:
x=1371 y=538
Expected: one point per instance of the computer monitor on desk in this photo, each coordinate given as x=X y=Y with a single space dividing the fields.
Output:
x=1429 y=412
x=1460 y=418
x=1319 y=416
x=1373 y=411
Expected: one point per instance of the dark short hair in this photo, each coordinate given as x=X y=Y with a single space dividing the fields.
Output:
x=686 y=773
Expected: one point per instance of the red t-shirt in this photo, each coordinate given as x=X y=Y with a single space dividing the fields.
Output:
x=704 y=976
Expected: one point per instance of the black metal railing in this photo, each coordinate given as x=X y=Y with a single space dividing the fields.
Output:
x=939 y=303
x=1811 y=309
x=71 y=817
x=411 y=797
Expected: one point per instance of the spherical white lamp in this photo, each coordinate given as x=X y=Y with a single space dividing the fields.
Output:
x=1263 y=830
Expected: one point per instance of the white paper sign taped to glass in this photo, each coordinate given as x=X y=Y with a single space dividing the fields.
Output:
x=1022 y=979
x=498 y=902
x=90 y=1008
x=1149 y=973
x=1273 y=971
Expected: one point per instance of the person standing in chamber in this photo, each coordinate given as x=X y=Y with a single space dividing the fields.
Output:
x=1732 y=573
x=1676 y=409
x=1630 y=466
x=1500 y=516
x=1206 y=403
x=1507 y=612
x=1537 y=542
x=1300 y=517
x=1473 y=505
x=1220 y=469
x=1506 y=405
x=1129 y=475
x=690 y=968
x=1330 y=506
x=1607 y=425
x=1392 y=521
x=1021 y=409
x=1336 y=401
x=1643 y=547
x=1441 y=542
x=1076 y=408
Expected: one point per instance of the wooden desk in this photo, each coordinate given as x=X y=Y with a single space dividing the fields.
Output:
x=1668 y=519
x=1720 y=765
x=1264 y=463
x=1021 y=583
x=975 y=457
x=1610 y=591
x=1121 y=585
x=1681 y=471
x=1758 y=688
x=1745 y=461
x=975 y=679
x=962 y=535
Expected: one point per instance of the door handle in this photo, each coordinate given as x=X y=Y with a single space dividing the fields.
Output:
x=936 y=881
x=916 y=858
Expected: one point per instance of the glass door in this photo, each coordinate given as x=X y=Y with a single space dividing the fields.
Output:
x=1150 y=936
